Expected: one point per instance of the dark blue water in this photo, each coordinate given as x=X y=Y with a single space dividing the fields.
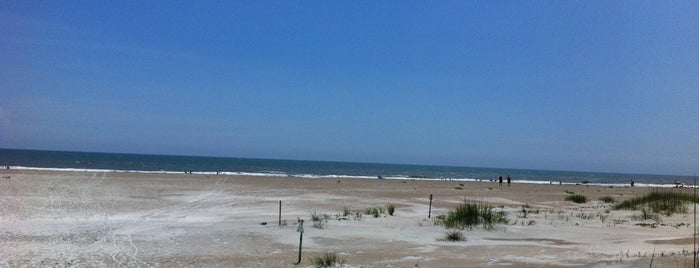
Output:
x=320 y=169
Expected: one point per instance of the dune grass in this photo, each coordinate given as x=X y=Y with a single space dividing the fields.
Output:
x=577 y=198
x=454 y=236
x=329 y=259
x=391 y=208
x=467 y=215
x=607 y=199
x=666 y=202
x=374 y=211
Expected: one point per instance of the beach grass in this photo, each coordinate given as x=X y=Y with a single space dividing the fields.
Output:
x=329 y=259
x=391 y=208
x=607 y=199
x=666 y=202
x=577 y=198
x=454 y=235
x=467 y=215
x=319 y=220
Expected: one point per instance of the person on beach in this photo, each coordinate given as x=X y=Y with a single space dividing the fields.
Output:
x=508 y=180
x=500 y=181
x=632 y=183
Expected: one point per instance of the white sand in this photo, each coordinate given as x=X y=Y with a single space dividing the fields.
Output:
x=89 y=219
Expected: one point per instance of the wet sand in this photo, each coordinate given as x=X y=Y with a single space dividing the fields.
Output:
x=95 y=219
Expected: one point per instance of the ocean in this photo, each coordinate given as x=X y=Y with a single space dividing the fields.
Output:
x=118 y=162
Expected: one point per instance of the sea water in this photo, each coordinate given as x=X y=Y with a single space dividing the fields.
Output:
x=117 y=162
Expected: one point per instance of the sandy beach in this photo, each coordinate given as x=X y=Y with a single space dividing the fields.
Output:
x=98 y=219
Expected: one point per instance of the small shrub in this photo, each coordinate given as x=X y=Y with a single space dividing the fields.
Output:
x=577 y=198
x=569 y=192
x=319 y=220
x=315 y=216
x=454 y=236
x=607 y=199
x=329 y=259
x=376 y=212
x=391 y=209
x=319 y=224
x=523 y=213
x=346 y=212
x=584 y=216
x=459 y=188
x=646 y=215
x=358 y=215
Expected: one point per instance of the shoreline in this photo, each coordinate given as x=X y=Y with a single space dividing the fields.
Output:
x=312 y=176
x=60 y=218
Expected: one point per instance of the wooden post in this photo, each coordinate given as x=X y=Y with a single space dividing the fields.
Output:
x=280 y=213
x=300 y=230
x=429 y=214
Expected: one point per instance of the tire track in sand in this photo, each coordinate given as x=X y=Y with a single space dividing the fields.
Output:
x=109 y=240
x=214 y=197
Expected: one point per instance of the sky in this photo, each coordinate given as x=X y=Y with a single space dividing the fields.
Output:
x=610 y=86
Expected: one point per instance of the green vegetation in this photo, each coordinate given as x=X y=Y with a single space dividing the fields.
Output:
x=315 y=216
x=459 y=188
x=651 y=225
x=391 y=209
x=348 y=214
x=666 y=202
x=329 y=259
x=376 y=212
x=607 y=199
x=454 y=236
x=358 y=215
x=569 y=192
x=577 y=198
x=467 y=215
x=524 y=211
x=319 y=220
x=646 y=215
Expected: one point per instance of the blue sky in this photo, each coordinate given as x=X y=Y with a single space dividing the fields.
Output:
x=566 y=85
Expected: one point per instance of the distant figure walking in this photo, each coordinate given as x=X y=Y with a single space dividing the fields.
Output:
x=500 y=181
x=508 y=180
x=632 y=183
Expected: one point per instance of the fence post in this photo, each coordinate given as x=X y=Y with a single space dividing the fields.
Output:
x=300 y=230
x=429 y=214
